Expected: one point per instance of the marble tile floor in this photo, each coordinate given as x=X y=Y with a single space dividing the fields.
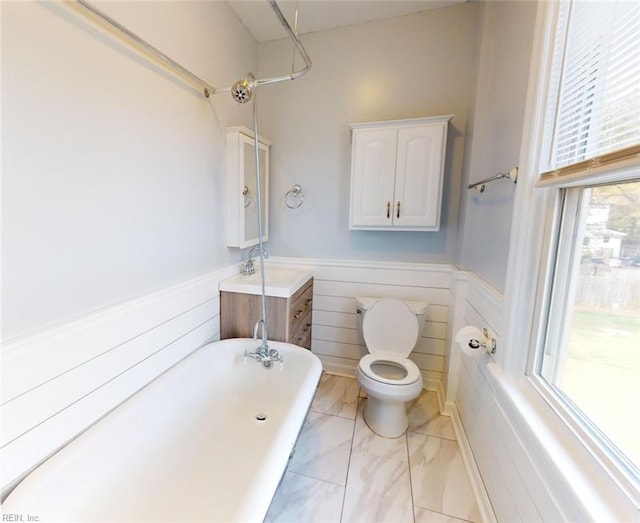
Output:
x=343 y=472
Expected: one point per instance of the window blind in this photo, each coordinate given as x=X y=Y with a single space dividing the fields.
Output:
x=596 y=122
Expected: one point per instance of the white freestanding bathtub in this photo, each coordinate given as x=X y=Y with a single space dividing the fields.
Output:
x=188 y=447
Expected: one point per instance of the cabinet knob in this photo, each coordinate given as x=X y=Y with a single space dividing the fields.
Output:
x=298 y=314
x=388 y=210
x=398 y=211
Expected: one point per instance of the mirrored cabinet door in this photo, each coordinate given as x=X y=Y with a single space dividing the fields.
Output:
x=242 y=194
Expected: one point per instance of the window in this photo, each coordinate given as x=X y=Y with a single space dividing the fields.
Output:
x=589 y=355
x=597 y=81
x=592 y=347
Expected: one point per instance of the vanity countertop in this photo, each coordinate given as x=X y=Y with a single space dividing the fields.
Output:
x=280 y=281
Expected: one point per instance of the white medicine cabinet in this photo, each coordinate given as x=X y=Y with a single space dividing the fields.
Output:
x=241 y=190
x=397 y=170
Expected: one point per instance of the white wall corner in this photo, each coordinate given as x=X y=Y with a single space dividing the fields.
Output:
x=436 y=386
x=459 y=288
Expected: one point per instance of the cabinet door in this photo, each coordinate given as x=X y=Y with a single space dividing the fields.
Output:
x=373 y=165
x=249 y=217
x=241 y=189
x=419 y=169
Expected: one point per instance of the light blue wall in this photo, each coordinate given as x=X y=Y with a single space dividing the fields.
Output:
x=112 y=168
x=416 y=65
x=494 y=136
x=113 y=177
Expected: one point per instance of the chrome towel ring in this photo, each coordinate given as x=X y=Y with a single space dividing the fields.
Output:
x=294 y=198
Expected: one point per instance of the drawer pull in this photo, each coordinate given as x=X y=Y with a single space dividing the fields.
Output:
x=308 y=302
x=298 y=314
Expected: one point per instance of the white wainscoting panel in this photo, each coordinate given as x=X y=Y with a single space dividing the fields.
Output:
x=504 y=466
x=335 y=336
x=58 y=382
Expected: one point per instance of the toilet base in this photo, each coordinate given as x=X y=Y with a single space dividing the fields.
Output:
x=386 y=418
x=386 y=408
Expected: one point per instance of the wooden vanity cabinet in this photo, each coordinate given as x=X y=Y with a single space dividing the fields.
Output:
x=288 y=319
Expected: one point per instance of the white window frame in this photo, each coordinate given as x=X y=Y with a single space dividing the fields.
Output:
x=569 y=457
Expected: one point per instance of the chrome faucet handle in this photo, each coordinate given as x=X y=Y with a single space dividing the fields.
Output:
x=275 y=355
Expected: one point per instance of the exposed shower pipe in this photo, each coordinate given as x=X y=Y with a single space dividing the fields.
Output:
x=207 y=88
x=298 y=46
x=242 y=92
x=263 y=295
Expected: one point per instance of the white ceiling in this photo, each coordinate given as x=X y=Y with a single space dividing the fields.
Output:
x=320 y=15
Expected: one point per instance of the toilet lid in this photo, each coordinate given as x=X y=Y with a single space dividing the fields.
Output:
x=390 y=326
x=369 y=367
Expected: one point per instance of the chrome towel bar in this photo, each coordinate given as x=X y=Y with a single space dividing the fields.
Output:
x=511 y=175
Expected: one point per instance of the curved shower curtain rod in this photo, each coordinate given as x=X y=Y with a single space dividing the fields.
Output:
x=298 y=45
x=172 y=64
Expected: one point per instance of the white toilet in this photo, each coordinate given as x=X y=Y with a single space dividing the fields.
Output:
x=390 y=328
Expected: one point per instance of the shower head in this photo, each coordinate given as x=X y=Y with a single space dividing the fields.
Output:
x=242 y=90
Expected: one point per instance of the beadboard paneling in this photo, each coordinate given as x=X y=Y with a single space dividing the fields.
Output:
x=352 y=289
x=60 y=381
x=513 y=484
x=336 y=339
x=436 y=313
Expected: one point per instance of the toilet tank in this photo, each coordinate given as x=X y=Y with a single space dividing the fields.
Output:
x=364 y=303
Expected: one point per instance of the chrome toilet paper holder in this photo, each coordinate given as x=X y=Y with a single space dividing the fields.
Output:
x=489 y=344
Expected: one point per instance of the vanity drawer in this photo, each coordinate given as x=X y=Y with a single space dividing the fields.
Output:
x=301 y=305
x=301 y=331
x=300 y=316
x=303 y=339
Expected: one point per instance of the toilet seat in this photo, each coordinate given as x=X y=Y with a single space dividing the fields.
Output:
x=390 y=326
x=413 y=373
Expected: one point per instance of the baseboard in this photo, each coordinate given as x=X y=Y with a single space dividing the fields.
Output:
x=477 y=486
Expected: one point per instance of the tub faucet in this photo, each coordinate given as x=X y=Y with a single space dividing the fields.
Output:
x=263 y=354
x=248 y=267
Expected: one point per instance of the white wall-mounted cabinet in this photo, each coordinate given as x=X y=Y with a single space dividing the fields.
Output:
x=397 y=172
x=242 y=203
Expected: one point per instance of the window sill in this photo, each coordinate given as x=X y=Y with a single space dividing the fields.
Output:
x=576 y=479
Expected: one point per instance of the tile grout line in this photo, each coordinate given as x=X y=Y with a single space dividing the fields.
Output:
x=329 y=414
x=432 y=436
x=353 y=437
x=454 y=440
x=314 y=478
x=413 y=505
